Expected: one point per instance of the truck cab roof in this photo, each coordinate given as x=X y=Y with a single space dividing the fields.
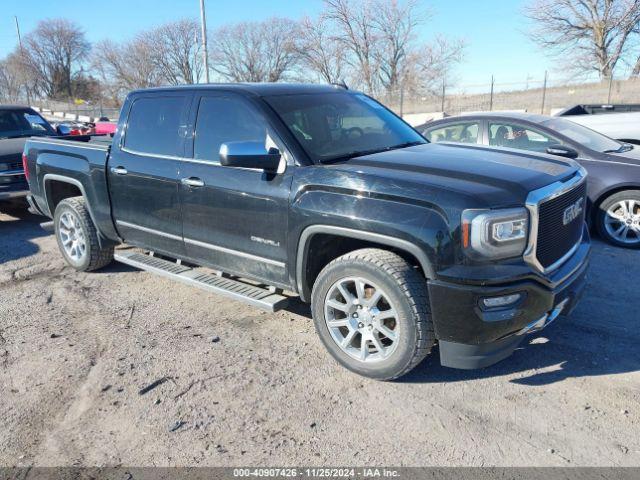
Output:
x=258 y=89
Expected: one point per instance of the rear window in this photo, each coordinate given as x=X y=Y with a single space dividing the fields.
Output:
x=153 y=125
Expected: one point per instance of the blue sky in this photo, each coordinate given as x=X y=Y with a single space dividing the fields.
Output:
x=493 y=29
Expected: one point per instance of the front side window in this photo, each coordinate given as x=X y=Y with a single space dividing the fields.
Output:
x=153 y=126
x=223 y=119
x=341 y=125
x=16 y=123
x=458 y=132
x=520 y=137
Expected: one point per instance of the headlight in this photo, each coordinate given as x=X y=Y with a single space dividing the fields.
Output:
x=495 y=234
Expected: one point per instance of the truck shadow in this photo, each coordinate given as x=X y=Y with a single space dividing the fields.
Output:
x=564 y=350
x=18 y=228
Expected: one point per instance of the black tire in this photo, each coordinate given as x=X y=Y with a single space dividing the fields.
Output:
x=601 y=218
x=95 y=257
x=406 y=289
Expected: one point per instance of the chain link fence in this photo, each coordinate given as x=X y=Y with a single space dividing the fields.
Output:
x=532 y=95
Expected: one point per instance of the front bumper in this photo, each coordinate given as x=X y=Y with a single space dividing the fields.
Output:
x=14 y=190
x=473 y=337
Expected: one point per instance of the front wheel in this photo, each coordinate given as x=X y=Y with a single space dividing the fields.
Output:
x=77 y=236
x=618 y=219
x=371 y=311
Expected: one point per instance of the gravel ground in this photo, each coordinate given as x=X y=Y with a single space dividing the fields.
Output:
x=239 y=387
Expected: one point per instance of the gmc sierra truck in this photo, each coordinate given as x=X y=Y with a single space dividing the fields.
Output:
x=263 y=191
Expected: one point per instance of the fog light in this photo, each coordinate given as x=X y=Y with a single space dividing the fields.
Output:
x=504 y=301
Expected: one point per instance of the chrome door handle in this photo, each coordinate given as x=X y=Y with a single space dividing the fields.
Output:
x=192 y=182
x=119 y=170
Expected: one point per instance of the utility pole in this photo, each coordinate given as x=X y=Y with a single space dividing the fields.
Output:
x=544 y=92
x=493 y=81
x=205 y=54
x=26 y=88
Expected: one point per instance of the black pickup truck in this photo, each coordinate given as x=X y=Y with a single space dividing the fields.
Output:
x=259 y=192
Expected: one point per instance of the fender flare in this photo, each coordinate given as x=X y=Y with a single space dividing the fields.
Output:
x=61 y=178
x=400 y=244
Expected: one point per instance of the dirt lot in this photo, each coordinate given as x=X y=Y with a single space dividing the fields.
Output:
x=241 y=387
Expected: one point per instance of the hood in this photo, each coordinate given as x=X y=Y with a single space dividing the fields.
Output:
x=492 y=177
x=11 y=149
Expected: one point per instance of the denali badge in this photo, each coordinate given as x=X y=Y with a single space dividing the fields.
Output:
x=266 y=241
x=572 y=212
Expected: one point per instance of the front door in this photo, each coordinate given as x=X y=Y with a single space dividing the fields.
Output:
x=143 y=173
x=234 y=218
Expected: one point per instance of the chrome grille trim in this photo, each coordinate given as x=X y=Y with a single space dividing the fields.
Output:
x=534 y=199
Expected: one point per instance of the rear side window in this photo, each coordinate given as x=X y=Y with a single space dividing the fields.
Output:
x=226 y=119
x=518 y=136
x=457 y=132
x=154 y=124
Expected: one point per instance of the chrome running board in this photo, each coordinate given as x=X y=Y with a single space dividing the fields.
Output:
x=260 y=297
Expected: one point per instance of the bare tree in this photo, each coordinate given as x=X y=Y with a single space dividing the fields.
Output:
x=55 y=51
x=17 y=80
x=176 y=51
x=383 y=50
x=636 y=67
x=319 y=52
x=356 y=32
x=396 y=24
x=592 y=35
x=125 y=67
x=255 y=51
x=431 y=64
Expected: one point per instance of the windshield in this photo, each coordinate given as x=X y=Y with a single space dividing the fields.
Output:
x=16 y=123
x=341 y=125
x=583 y=135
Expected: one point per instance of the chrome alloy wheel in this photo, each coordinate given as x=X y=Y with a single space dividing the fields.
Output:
x=361 y=319
x=72 y=237
x=622 y=221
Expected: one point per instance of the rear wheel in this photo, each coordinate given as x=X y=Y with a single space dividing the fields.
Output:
x=371 y=311
x=618 y=219
x=77 y=236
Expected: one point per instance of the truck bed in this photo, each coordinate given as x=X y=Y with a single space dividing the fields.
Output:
x=76 y=164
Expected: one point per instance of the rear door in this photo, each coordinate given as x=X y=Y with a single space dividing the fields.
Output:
x=234 y=218
x=143 y=172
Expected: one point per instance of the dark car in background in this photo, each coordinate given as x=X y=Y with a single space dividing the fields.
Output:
x=16 y=125
x=613 y=185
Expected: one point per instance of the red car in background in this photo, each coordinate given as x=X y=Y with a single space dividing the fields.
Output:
x=105 y=127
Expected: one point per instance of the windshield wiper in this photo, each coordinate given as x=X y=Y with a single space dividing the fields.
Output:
x=625 y=147
x=362 y=153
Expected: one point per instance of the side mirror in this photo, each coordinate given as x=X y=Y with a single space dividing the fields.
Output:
x=250 y=155
x=63 y=130
x=562 y=151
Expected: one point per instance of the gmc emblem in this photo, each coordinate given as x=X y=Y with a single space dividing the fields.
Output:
x=572 y=212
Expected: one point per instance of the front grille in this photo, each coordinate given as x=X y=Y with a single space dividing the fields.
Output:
x=555 y=238
x=10 y=166
x=12 y=178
